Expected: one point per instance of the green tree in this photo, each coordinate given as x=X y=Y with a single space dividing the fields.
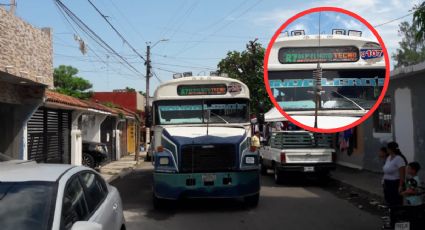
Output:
x=419 y=21
x=66 y=82
x=247 y=66
x=129 y=89
x=411 y=50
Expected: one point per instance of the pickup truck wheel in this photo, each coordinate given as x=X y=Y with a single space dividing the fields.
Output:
x=277 y=175
x=252 y=201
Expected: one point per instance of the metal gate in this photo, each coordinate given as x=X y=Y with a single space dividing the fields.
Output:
x=49 y=136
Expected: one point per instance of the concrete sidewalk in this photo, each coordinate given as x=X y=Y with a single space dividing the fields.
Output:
x=366 y=181
x=120 y=168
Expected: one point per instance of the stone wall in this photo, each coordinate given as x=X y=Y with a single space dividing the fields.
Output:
x=25 y=51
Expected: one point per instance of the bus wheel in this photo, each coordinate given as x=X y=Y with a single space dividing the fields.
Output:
x=252 y=201
x=277 y=175
x=158 y=203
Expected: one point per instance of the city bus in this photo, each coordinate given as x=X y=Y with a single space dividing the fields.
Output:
x=202 y=141
x=352 y=76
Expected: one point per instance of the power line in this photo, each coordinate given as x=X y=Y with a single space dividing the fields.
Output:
x=127 y=20
x=393 y=20
x=185 y=49
x=89 y=32
x=166 y=70
x=156 y=76
x=116 y=31
x=184 y=66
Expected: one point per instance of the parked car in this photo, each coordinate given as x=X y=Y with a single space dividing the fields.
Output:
x=57 y=196
x=94 y=154
x=297 y=151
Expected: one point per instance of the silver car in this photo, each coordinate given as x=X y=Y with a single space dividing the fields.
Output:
x=57 y=196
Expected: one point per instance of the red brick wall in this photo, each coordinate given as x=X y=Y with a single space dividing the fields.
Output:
x=127 y=100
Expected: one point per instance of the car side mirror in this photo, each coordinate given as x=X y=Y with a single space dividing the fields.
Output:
x=86 y=225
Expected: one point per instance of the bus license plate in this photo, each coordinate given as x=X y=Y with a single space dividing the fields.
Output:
x=402 y=226
x=208 y=177
x=308 y=169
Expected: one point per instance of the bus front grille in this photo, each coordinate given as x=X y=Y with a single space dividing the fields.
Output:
x=208 y=158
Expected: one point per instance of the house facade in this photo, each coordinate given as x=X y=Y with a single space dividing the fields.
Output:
x=399 y=118
x=26 y=70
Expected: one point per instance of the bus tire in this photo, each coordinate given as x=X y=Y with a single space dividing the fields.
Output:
x=252 y=201
x=158 y=203
x=277 y=175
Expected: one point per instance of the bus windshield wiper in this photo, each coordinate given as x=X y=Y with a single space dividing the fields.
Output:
x=219 y=117
x=348 y=99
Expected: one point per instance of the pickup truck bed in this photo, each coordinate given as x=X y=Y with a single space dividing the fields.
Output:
x=297 y=151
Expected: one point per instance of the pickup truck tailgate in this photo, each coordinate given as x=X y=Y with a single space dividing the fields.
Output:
x=319 y=155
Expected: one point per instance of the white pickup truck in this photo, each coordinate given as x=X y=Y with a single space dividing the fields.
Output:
x=297 y=151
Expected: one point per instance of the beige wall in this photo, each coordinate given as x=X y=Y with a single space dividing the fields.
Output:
x=25 y=49
x=140 y=100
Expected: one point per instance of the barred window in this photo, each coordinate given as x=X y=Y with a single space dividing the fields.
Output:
x=382 y=118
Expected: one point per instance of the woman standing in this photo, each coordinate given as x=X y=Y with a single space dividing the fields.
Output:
x=394 y=175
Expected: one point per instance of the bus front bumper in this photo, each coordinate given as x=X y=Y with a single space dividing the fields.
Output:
x=206 y=185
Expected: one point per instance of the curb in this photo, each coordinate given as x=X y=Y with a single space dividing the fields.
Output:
x=124 y=172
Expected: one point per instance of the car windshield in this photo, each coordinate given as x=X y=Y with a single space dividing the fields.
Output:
x=202 y=111
x=342 y=89
x=26 y=205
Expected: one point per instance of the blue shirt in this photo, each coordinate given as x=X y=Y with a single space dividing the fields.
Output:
x=413 y=200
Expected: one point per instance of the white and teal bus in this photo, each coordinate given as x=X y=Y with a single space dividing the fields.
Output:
x=202 y=141
x=353 y=76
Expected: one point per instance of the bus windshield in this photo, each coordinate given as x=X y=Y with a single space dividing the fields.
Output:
x=202 y=111
x=341 y=89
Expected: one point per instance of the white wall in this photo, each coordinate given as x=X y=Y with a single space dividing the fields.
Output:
x=403 y=122
x=91 y=126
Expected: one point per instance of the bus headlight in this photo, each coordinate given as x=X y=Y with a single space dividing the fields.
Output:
x=163 y=161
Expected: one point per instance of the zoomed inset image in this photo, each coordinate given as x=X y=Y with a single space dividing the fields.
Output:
x=326 y=70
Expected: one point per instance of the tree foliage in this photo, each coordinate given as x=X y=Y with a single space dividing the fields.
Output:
x=419 y=21
x=411 y=50
x=247 y=66
x=129 y=89
x=66 y=82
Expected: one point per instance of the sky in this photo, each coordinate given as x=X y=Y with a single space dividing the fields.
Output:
x=199 y=33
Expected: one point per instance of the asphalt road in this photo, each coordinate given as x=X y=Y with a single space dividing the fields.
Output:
x=299 y=205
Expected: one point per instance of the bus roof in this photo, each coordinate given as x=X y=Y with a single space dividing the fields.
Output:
x=169 y=90
x=325 y=41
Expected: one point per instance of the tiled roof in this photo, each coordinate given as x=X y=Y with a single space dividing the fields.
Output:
x=52 y=96
x=98 y=106
x=55 y=97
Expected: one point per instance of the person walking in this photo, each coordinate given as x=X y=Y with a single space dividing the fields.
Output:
x=255 y=140
x=394 y=175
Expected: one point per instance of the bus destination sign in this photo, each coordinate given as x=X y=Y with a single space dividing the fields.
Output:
x=293 y=55
x=199 y=90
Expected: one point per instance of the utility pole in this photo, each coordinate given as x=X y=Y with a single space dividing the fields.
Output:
x=148 y=121
x=147 y=109
x=12 y=6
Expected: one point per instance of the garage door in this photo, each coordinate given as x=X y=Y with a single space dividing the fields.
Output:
x=49 y=136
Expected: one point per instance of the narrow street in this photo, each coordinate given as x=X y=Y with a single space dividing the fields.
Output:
x=299 y=205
